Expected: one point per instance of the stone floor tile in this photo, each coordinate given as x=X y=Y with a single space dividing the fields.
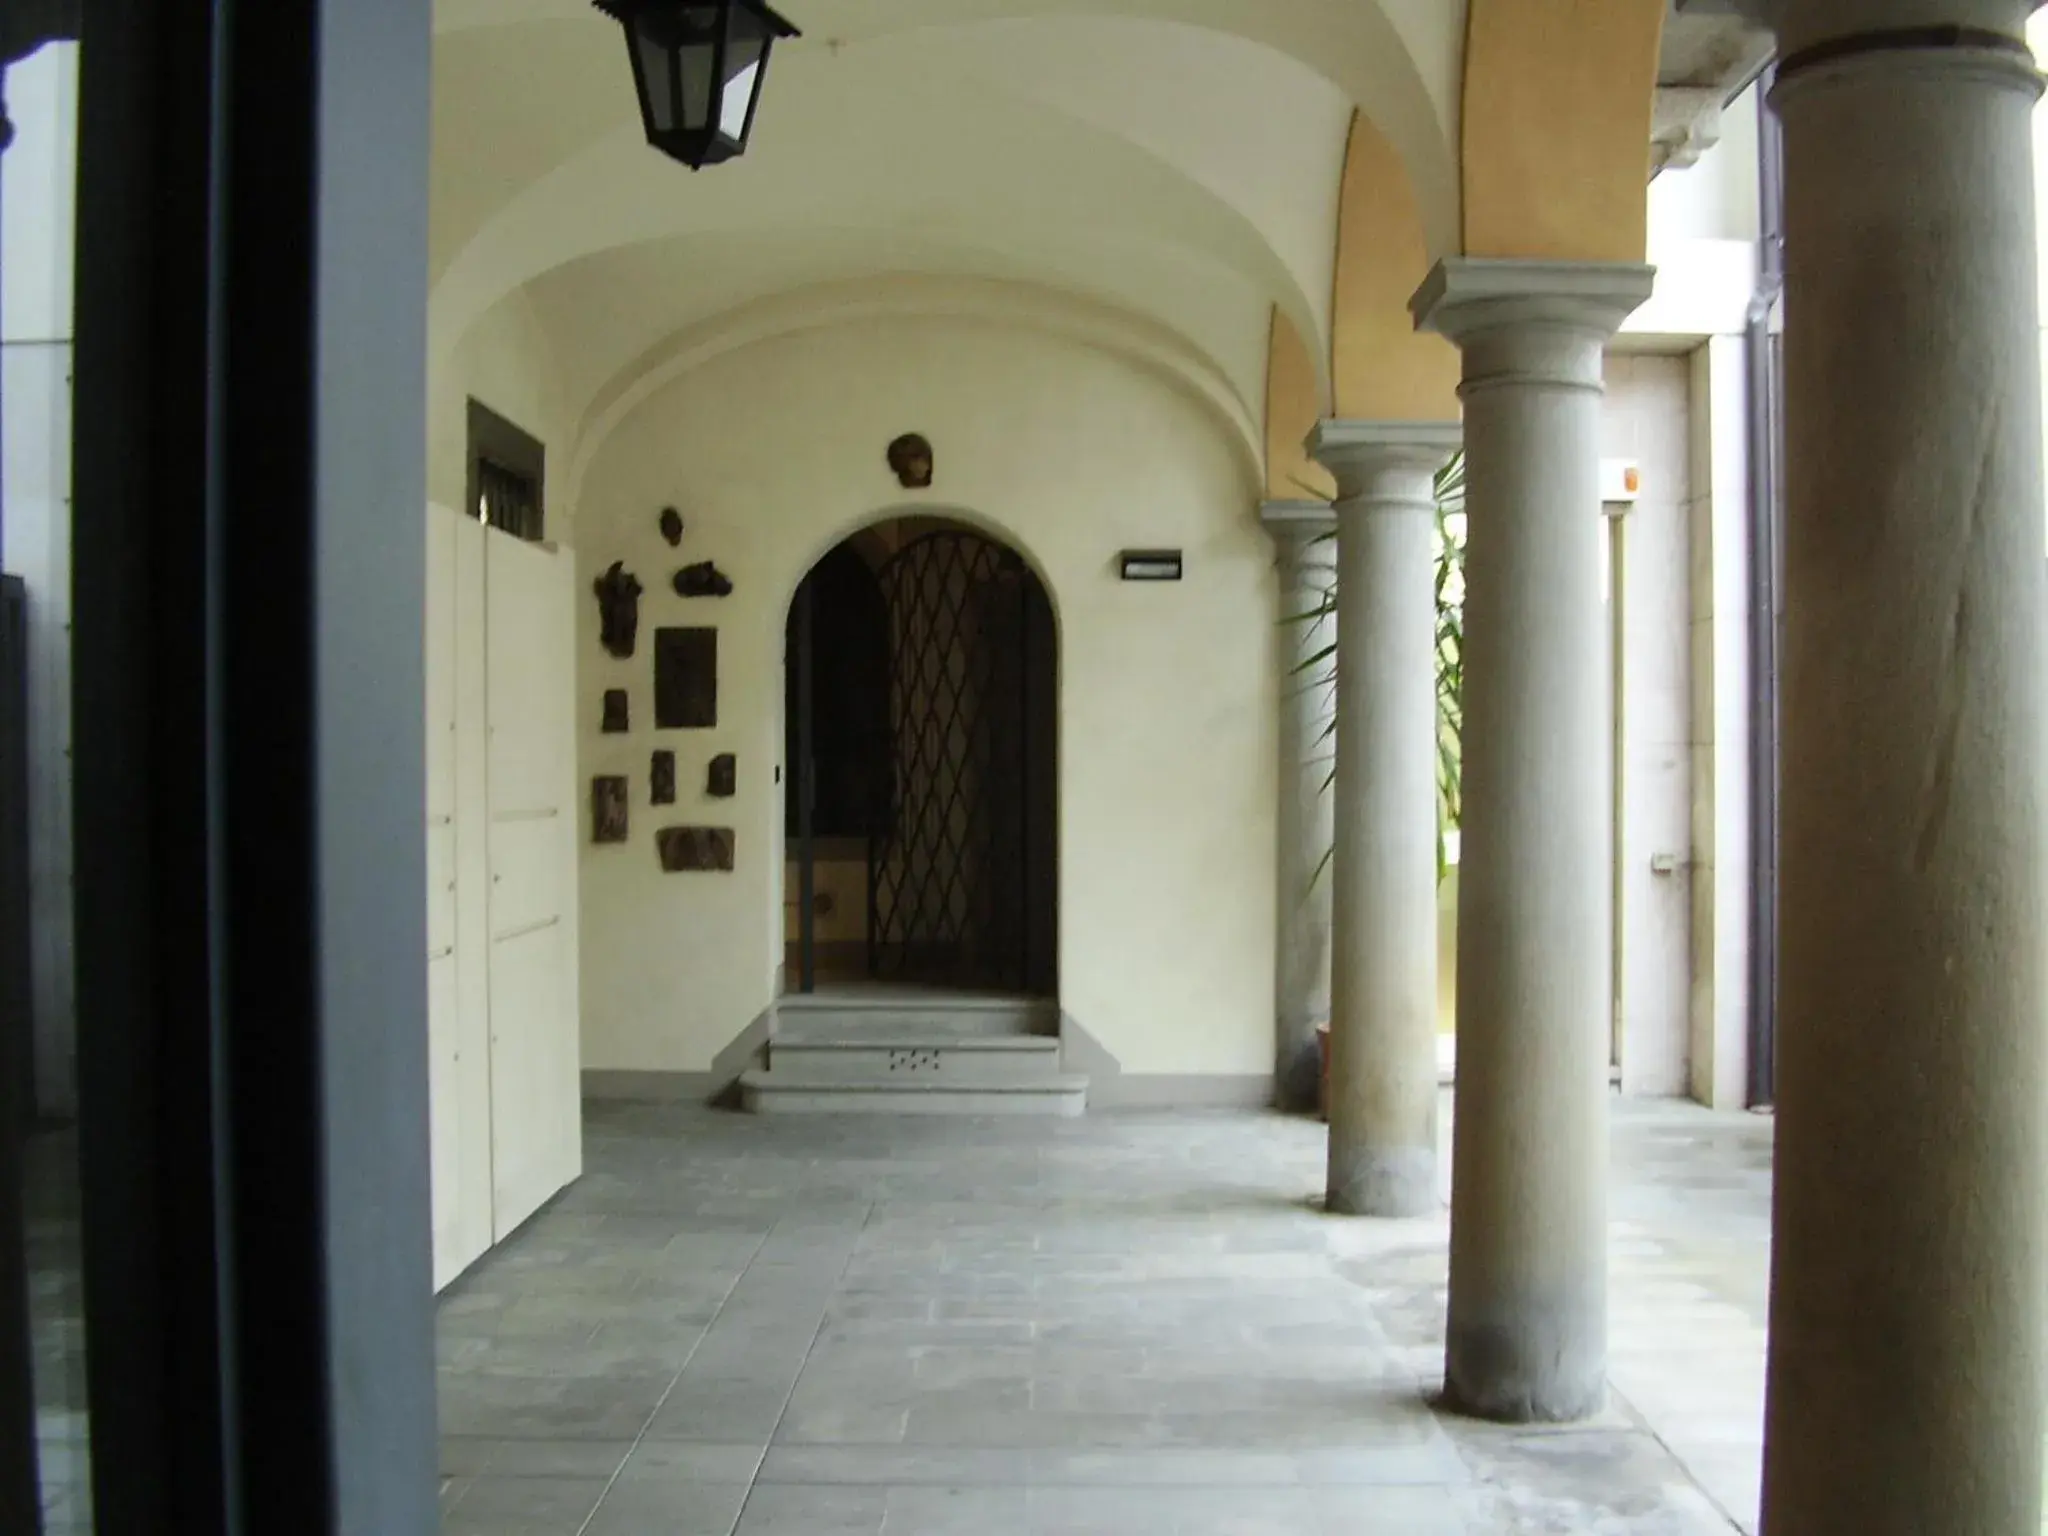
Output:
x=555 y=1504
x=719 y=1412
x=477 y=1455
x=938 y=1510
x=899 y=1466
x=1132 y=1323
x=546 y=1407
x=692 y=1462
x=664 y=1506
x=789 y=1509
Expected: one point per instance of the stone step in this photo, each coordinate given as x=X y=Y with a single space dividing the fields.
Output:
x=791 y=1092
x=908 y=1057
x=840 y=1016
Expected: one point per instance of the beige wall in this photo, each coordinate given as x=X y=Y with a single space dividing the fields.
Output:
x=1646 y=420
x=1168 y=693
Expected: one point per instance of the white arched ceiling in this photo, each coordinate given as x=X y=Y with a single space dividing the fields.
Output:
x=1215 y=312
x=1176 y=161
x=1259 y=131
x=1113 y=330
x=883 y=143
x=502 y=119
x=1401 y=61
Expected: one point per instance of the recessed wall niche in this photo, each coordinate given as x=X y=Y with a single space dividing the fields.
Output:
x=685 y=679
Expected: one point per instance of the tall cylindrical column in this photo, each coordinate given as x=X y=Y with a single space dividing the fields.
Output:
x=1383 y=1074
x=1527 y=1332
x=1907 y=1287
x=1307 y=555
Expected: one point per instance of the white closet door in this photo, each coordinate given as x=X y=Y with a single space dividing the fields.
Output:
x=536 y=1104
x=457 y=1008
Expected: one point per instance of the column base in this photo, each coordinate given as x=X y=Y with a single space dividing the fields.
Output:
x=1491 y=1375
x=1382 y=1181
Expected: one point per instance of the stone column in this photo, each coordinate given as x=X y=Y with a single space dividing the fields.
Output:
x=1383 y=1075
x=1528 y=1285
x=1308 y=565
x=1907 y=1287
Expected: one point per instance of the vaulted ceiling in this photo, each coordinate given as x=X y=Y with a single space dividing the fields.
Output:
x=1175 y=164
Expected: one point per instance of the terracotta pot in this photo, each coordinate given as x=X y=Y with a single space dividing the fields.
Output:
x=1323 y=1078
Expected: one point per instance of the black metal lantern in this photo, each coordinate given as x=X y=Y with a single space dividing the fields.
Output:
x=698 y=65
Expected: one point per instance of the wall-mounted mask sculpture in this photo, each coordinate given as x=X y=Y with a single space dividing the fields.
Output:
x=672 y=526
x=618 y=609
x=618 y=715
x=910 y=456
x=702 y=580
x=723 y=782
x=662 y=788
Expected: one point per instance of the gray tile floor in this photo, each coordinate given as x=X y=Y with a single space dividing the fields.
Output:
x=1127 y=1324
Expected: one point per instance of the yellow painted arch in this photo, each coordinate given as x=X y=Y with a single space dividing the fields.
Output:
x=1292 y=409
x=1557 y=107
x=1381 y=367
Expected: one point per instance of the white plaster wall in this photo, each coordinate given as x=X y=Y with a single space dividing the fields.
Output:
x=37 y=222
x=1646 y=420
x=1716 y=198
x=508 y=361
x=1721 y=731
x=1702 y=240
x=1168 y=693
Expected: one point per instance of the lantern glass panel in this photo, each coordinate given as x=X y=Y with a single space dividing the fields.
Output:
x=746 y=48
x=694 y=62
x=656 y=65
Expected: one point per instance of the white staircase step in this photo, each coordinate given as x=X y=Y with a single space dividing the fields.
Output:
x=788 y=1091
x=910 y=1058
x=912 y=1015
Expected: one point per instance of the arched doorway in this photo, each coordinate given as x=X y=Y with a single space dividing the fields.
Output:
x=921 y=802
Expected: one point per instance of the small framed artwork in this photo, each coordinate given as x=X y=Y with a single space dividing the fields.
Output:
x=610 y=797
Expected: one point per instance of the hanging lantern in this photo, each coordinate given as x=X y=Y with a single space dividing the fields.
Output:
x=698 y=66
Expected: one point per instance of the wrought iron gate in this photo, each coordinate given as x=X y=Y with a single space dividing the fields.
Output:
x=959 y=874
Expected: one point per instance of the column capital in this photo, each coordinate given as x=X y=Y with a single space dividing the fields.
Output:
x=1469 y=296
x=1371 y=457
x=1362 y=453
x=1821 y=41
x=1299 y=518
